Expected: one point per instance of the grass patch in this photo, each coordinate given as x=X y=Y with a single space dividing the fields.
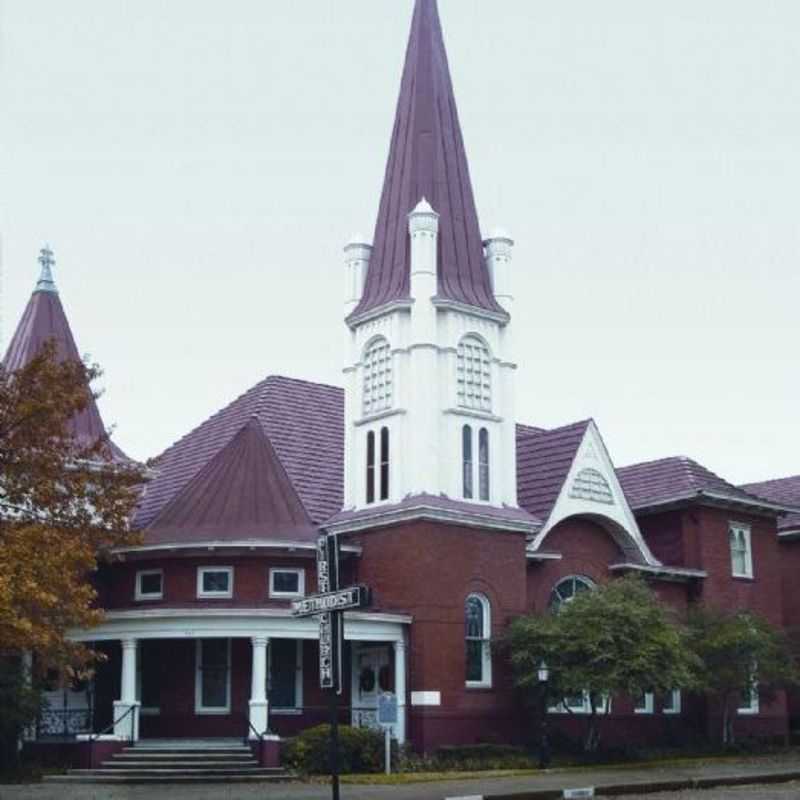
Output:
x=400 y=778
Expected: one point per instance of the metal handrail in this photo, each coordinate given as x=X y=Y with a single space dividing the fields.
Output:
x=259 y=736
x=95 y=736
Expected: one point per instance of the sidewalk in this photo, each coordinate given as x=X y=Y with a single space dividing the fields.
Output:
x=633 y=781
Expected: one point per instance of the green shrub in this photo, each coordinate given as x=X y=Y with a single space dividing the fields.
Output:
x=360 y=750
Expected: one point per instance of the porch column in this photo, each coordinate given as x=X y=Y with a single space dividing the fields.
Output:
x=127 y=726
x=258 y=688
x=400 y=688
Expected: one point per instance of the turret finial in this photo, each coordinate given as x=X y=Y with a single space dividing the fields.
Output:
x=46 y=282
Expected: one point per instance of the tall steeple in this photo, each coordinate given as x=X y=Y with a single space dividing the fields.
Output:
x=429 y=369
x=427 y=160
x=44 y=319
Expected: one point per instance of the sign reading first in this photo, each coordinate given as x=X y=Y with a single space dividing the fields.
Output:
x=341 y=600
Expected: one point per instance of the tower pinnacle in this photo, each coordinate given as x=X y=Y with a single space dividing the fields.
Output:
x=47 y=261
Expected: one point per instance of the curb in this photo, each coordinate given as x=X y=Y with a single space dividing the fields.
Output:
x=647 y=787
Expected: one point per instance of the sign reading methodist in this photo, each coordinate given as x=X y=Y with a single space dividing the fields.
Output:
x=342 y=600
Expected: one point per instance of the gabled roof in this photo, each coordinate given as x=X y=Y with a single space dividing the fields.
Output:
x=427 y=159
x=44 y=319
x=242 y=493
x=780 y=490
x=304 y=423
x=543 y=462
x=677 y=479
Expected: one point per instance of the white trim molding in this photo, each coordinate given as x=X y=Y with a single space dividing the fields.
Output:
x=615 y=515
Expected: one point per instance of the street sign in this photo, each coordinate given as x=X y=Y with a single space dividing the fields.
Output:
x=351 y=597
x=387 y=708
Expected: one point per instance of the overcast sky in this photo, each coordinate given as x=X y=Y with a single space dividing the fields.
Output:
x=197 y=167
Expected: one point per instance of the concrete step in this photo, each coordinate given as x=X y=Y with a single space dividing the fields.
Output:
x=147 y=771
x=183 y=756
x=172 y=778
x=128 y=765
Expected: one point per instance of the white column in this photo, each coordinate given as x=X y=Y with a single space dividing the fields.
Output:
x=259 y=717
x=400 y=689
x=127 y=726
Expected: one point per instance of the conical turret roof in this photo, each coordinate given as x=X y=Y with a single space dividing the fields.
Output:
x=427 y=159
x=44 y=319
x=243 y=493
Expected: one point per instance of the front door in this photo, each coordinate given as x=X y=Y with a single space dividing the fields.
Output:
x=371 y=676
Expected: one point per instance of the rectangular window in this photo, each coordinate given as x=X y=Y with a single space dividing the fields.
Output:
x=644 y=704
x=579 y=704
x=671 y=702
x=150 y=584
x=215 y=582
x=748 y=701
x=213 y=679
x=483 y=464
x=285 y=682
x=287 y=582
x=741 y=552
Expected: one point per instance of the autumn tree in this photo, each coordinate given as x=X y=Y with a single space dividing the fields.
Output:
x=615 y=639
x=737 y=654
x=64 y=505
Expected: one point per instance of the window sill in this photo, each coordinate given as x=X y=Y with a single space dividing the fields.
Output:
x=212 y=712
x=748 y=712
x=148 y=598
x=743 y=577
x=476 y=413
x=286 y=712
x=287 y=596
x=215 y=596
x=475 y=686
x=378 y=415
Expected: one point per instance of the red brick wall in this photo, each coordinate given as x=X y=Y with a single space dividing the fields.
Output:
x=427 y=570
x=116 y=583
x=790 y=564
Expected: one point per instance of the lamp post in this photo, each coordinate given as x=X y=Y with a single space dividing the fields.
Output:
x=544 y=742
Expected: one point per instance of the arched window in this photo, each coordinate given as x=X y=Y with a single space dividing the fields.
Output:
x=477 y=634
x=567 y=589
x=474 y=374
x=377 y=395
x=371 y=467
x=483 y=464
x=466 y=461
x=384 y=463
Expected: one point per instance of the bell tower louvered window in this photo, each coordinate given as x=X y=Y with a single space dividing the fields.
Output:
x=474 y=374
x=378 y=388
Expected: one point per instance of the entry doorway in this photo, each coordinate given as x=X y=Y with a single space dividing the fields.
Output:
x=372 y=674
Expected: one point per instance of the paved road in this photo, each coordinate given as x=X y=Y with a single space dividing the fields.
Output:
x=434 y=791
x=787 y=791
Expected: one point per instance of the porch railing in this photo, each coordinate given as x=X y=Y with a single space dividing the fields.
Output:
x=64 y=723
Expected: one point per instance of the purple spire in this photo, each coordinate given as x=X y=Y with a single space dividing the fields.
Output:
x=427 y=159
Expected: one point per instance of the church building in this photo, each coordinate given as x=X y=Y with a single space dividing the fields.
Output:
x=446 y=500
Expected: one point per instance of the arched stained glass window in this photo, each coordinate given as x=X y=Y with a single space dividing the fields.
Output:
x=466 y=461
x=378 y=388
x=477 y=634
x=371 y=467
x=567 y=589
x=483 y=464
x=474 y=374
x=384 y=463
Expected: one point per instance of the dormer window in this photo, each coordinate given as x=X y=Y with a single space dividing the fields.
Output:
x=378 y=390
x=474 y=374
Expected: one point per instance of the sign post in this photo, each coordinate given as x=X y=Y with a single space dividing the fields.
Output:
x=387 y=716
x=329 y=605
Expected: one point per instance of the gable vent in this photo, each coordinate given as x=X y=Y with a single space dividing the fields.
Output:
x=589 y=484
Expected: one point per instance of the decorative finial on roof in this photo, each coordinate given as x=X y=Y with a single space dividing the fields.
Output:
x=424 y=207
x=46 y=282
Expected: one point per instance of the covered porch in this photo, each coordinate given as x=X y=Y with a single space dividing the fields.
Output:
x=226 y=673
